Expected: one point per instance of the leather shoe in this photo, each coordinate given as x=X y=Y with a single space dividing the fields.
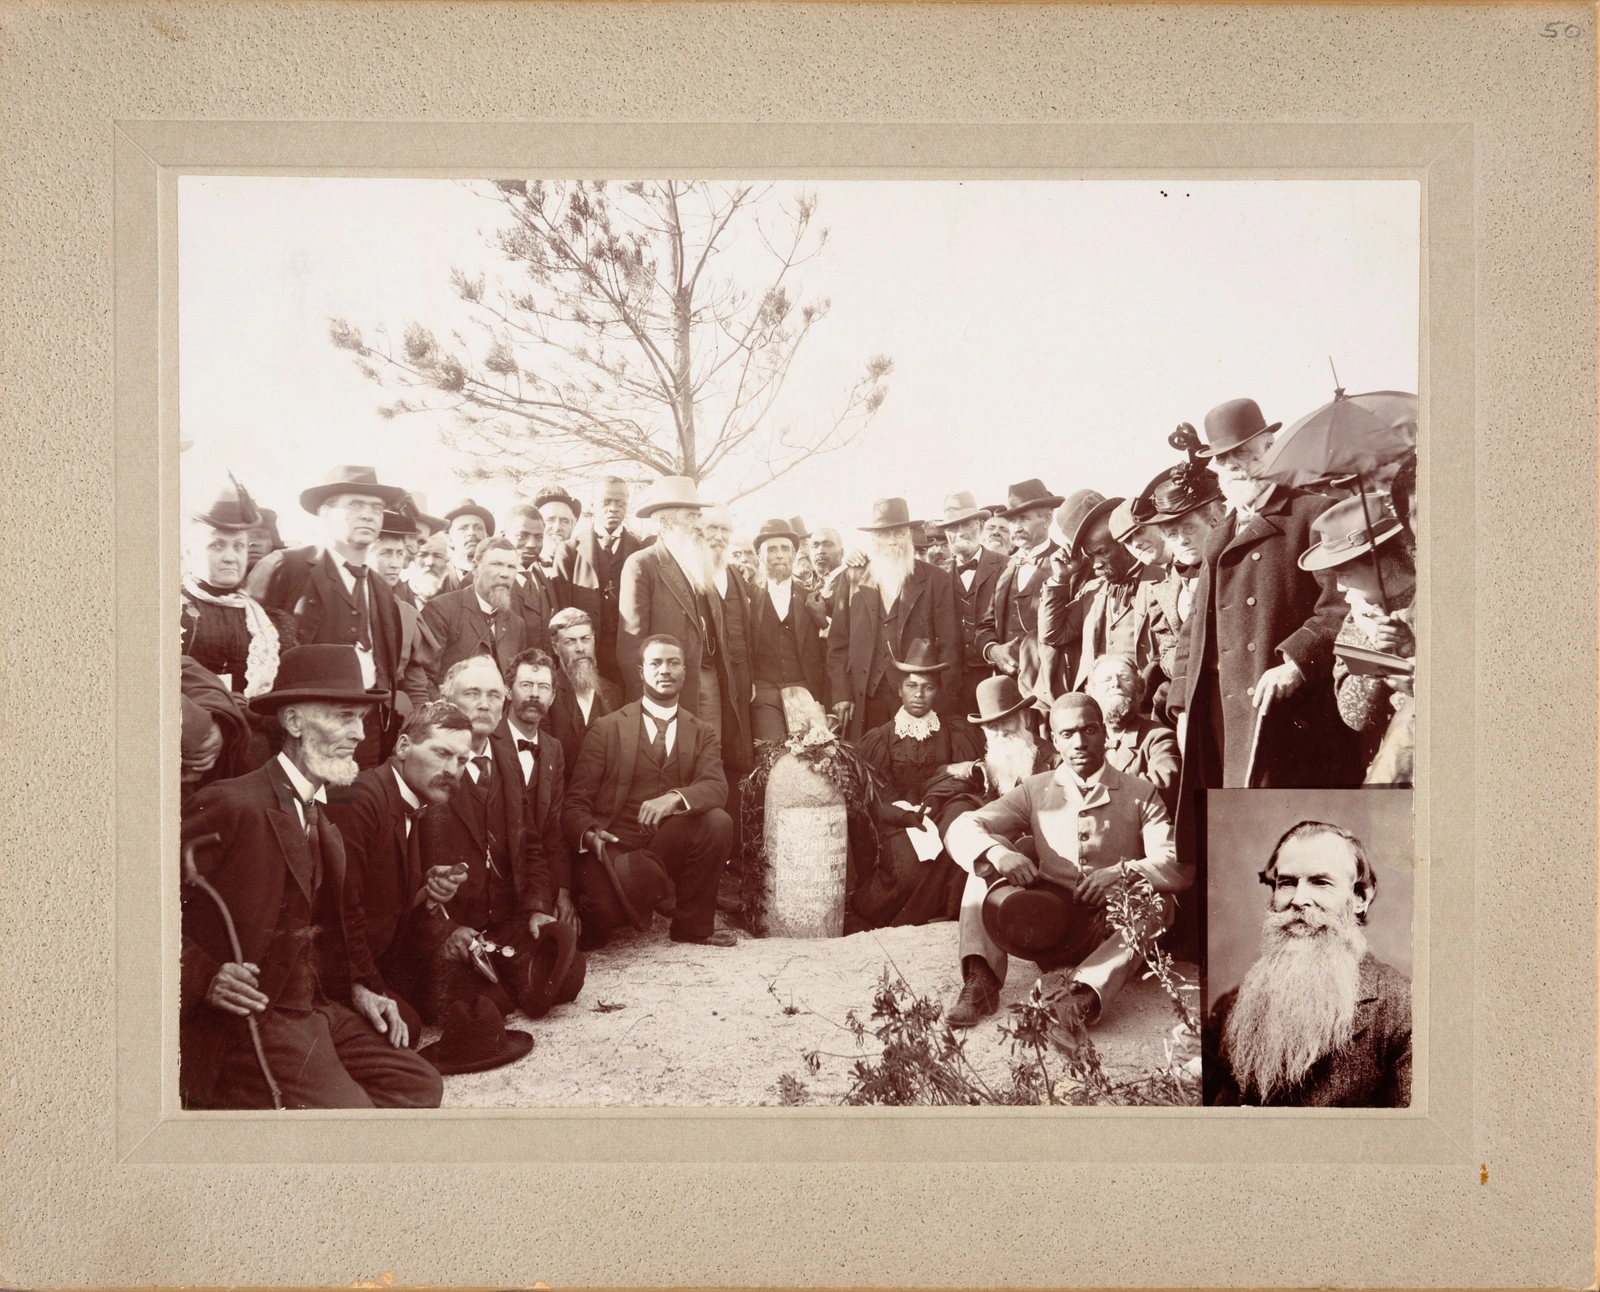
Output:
x=717 y=938
x=980 y=995
x=729 y=903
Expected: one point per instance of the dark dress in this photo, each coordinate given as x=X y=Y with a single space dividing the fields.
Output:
x=218 y=639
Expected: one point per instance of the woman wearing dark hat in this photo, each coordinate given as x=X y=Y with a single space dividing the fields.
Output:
x=926 y=763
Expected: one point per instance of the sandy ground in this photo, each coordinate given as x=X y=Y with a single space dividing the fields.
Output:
x=660 y=1023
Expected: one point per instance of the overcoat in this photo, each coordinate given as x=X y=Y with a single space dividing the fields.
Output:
x=261 y=850
x=655 y=597
x=926 y=608
x=1265 y=609
x=1373 y=1070
x=589 y=578
x=738 y=750
x=599 y=785
x=458 y=624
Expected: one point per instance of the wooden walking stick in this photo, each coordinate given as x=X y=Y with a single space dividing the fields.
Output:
x=192 y=875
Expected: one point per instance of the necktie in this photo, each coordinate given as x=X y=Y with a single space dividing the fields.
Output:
x=359 y=574
x=658 y=741
x=314 y=841
x=414 y=848
x=481 y=762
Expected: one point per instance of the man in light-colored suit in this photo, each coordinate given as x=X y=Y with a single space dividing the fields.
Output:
x=1085 y=819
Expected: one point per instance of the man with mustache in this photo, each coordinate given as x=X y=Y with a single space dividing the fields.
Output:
x=541 y=760
x=1136 y=745
x=1318 y=1021
x=535 y=592
x=1093 y=828
x=879 y=609
x=469 y=524
x=582 y=695
x=560 y=511
x=484 y=618
x=997 y=535
x=386 y=886
x=785 y=648
x=1008 y=631
x=265 y=843
x=426 y=575
x=588 y=569
x=1254 y=666
x=976 y=571
x=387 y=558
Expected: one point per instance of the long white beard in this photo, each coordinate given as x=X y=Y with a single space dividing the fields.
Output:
x=1297 y=1002
x=336 y=771
x=1242 y=495
x=1009 y=758
x=893 y=559
x=693 y=556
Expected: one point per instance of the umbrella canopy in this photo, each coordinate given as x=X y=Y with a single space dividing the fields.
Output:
x=1354 y=434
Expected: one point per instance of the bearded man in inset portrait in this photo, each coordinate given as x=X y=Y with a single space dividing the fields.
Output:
x=1318 y=1021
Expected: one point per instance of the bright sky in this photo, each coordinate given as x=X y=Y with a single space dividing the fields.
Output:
x=1042 y=328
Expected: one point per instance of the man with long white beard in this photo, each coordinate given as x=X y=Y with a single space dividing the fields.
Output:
x=1254 y=666
x=426 y=575
x=264 y=844
x=1318 y=1021
x=1138 y=746
x=582 y=695
x=878 y=610
x=483 y=618
x=670 y=588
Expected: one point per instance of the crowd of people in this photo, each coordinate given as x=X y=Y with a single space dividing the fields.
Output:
x=431 y=763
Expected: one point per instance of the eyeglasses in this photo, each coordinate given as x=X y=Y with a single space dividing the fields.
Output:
x=361 y=507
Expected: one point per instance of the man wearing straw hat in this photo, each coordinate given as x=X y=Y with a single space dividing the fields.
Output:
x=878 y=610
x=329 y=593
x=1253 y=669
x=276 y=864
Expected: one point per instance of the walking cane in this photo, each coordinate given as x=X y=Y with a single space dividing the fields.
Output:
x=192 y=875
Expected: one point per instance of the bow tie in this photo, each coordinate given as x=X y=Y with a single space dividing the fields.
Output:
x=532 y=746
x=963 y=566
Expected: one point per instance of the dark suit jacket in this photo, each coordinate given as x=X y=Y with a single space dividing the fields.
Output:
x=262 y=850
x=1149 y=751
x=449 y=834
x=926 y=608
x=993 y=627
x=381 y=884
x=458 y=623
x=542 y=800
x=1266 y=608
x=657 y=598
x=806 y=629
x=537 y=600
x=738 y=753
x=973 y=606
x=1372 y=1071
x=566 y=722
x=590 y=579
x=599 y=785
x=305 y=582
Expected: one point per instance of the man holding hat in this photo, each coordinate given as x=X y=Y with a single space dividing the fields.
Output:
x=329 y=593
x=1253 y=668
x=277 y=863
x=784 y=641
x=670 y=588
x=1087 y=822
x=1008 y=637
x=588 y=569
x=976 y=572
x=878 y=610
x=469 y=524
x=929 y=765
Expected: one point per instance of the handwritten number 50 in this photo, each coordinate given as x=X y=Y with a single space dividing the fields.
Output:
x=1555 y=29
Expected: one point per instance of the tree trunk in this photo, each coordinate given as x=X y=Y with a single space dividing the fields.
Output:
x=682 y=388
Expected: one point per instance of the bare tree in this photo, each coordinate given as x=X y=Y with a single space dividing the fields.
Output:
x=616 y=344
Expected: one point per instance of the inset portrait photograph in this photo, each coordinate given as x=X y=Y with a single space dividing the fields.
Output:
x=1309 y=948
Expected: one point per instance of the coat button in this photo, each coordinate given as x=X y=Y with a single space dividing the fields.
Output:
x=1249 y=690
x=1249 y=601
x=1255 y=556
x=1249 y=645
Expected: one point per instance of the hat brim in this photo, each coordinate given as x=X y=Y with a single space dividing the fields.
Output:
x=979 y=720
x=1209 y=452
x=916 y=668
x=271 y=701
x=1052 y=501
x=649 y=509
x=482 y=513
x=1318 y=557
x=1102 y=508
x=312 y=499
x=1023 y=920
x=553 y=952
x=794 y=538
x=225 y=526
x=514 y=1045
x=875 y=529
x=1156 y=517
x=977 y=513
x=435 y=524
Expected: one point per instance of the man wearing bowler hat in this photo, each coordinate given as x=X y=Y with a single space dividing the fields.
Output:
x=1253 y=668
x=265 y=845
x=976 y=571
x=1092 y=828
x=644 y=806
x=1008 y=639
x=330 y=593
x=469 y=524
x=785 y=648
x=879 y=609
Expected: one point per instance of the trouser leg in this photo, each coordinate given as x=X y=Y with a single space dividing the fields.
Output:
x=708 y=707
x=1105 y=970
x=304 y=1060
x=389 y=1076
x=972 y=938
x=694 y=849
x=766 y=714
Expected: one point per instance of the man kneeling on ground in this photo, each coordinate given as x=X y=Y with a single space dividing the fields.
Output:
x=1093 y=829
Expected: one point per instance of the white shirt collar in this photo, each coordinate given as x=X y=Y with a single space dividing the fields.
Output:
x=1037 y=553
x=517 y=733
x=1086 y=785
x=302 y=786
x=412 y=801
x=483 y=605
x=657 y=712
x=780 y=594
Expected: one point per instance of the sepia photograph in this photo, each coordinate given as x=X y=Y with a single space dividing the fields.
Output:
x=678 y=643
